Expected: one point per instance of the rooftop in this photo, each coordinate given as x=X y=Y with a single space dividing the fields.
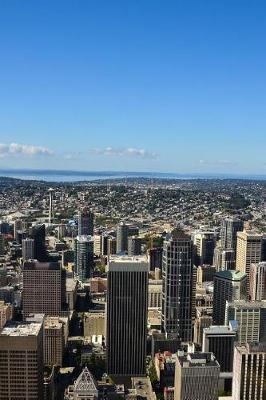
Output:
x=193 y=360
x=231 y=274
x=21 y=329
x=219 y=330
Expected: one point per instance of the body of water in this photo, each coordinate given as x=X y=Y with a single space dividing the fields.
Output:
x=76 y=176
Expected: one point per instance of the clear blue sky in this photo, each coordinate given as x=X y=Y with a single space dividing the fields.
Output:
x=133 y=85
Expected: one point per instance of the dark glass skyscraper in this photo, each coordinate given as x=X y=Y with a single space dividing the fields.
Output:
x=37 y=232
x=178 y=279
x=84 y=257
x=121 y=237
x=127 y=298
x=229 y=229
x=85 y=222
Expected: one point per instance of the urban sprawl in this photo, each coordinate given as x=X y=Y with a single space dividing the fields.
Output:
x=128 y=289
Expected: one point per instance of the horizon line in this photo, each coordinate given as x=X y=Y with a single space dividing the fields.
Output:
x=40 y=171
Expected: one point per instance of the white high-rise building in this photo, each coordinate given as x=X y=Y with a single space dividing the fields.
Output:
x=249 y=372
x=257 y=283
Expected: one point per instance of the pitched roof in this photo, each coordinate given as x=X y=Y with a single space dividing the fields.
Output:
x=85 y=382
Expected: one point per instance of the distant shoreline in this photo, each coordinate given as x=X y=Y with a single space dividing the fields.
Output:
x=74 y=176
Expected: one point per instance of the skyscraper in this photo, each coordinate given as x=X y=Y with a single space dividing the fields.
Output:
x=37 y=232
x=178 y=277
x=204 y=243
x=224 y=259
x=84 y=257
x=249 y=250
x=196 y=377
x=127 y=303
x=21 y=355
x=43 y=288
x=27 y=249
x=249 y=382
x=257 y=286
x=229 y=229
x=220 y=340
x=134 y=246
x=85 y=222
x=228 y=286
x=250 y=317
x=121 y=237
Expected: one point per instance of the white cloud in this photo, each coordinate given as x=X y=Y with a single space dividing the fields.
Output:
x=123 y=152
x=13 y=149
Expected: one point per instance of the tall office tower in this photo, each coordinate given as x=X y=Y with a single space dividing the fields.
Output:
x=37 y=232
x=204 y=243
x=249 y=250
x=84 y=388
x=257 y=282
x=42 y=288
x=27 y=249
x=21 y=355
x=104 y=245
x=249 y=382
x=196 y=377
x=17 y=227
x=229 y=229
x=53 y=341
x=134 y=246
x=121 y=237
x=111 y=246
x=84 y=257
x=51 y=210
x=250 y=317
x=220 y=340
x=178 y=281
x=85 y=222
x=228 y=286
x=127 y=304
x=97 y=245
x=155 y=256
x=224 y=259
x=6 y=312
x=2 y=244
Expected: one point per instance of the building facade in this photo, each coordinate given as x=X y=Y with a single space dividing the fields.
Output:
x=43 y=288
x=228 y=286
x=21 y=355
x=249 y=382
x=257 y=281
x=196 y=374
x=178 y=280
x=249 y=251
x=84 y=257
x=127 y=305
